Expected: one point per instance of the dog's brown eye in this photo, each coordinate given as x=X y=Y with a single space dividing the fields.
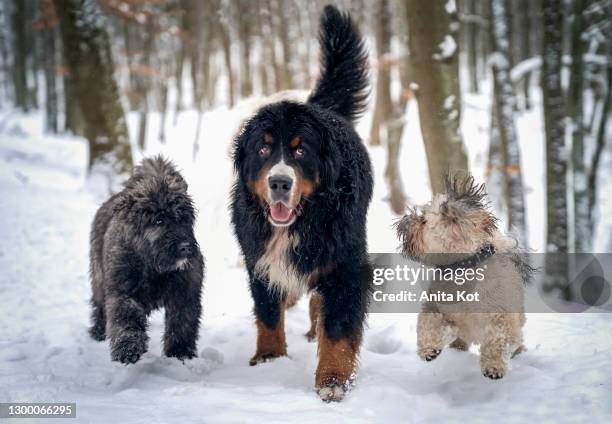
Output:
x=264 y=151
x=159 y=221
x=298 y=153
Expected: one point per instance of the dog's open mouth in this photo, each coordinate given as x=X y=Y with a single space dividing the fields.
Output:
x=280 y=215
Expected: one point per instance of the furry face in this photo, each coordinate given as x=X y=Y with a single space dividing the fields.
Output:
x=280 y=155
x=457 y=221
x=162 y=217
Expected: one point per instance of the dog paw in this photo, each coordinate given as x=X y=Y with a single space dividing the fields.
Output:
x=97 y=333
x=128 y=351
x=264 y=357
x=331 y=393
x=494 y=373
x=180 y=354
x=429 y=354
x=311 y=336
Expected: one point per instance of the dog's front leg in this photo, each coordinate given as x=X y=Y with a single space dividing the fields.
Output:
x=503 y=336
x=270 y=322
x=127 y=328
x=183 y=308
x=432 y=333
x=343 y=300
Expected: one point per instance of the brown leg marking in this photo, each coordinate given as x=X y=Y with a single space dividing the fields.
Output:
x=337 y=361
x=314 y=310
x=291 y=301
x=271 y=342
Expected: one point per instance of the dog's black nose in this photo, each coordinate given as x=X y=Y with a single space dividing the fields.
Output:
x=280 y=184
x=185 y=248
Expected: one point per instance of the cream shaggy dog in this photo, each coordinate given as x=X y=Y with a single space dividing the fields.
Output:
x=455 y=233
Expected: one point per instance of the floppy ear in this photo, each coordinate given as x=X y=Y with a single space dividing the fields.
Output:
x=330 y=168
x=240 y=140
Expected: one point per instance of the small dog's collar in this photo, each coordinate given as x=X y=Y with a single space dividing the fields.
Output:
x=470 y=262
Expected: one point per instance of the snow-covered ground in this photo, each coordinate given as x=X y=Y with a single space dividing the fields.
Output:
x=46 y=355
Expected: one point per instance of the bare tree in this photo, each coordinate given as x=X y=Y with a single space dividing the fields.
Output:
x=88 y=55
x=435 y=74
x=19 y=71
x=280 y=28
x=504 y=105
x=556 y=157
x=581 y=206
x=388 y=119
x=383 y=104
x=245 y=29
x=47 y=25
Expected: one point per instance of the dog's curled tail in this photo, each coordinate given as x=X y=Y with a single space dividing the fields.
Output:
x=343 y=84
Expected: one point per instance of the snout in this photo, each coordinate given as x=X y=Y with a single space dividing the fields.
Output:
x=280 y=188
x=186 y=249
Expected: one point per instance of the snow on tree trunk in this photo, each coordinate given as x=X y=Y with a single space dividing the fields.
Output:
x=496 y=188
x=504 y=104
x=556 y=154
x=88 y=55
x=435 y=80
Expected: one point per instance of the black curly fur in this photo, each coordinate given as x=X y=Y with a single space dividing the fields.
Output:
x=138 y=239
x=343 y=85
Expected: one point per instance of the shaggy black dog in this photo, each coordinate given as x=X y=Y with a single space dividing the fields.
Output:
x=144 y=256
x=299 y=208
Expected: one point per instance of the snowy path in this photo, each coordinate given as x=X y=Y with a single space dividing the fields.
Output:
x=46 y=355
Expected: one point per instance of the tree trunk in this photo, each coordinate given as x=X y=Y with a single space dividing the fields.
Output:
x=556 y=156
x=525 y=47
x=435 y=73
x=49 y=52
x=88 y=55
x=264 y=63
x=472 y=41
x=144 y=84
x=496 y=188
x=504 y=104
x=582 y=238
x=20 y=79
x=227 y=55
x=383 y=106
x=286 y=80
x=244 y=44
x=269 y=41
x=600 y=140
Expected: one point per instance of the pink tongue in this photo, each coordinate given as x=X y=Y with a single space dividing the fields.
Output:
x=280 y=212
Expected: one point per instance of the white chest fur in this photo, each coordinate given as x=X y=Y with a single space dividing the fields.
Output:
x=275 y=265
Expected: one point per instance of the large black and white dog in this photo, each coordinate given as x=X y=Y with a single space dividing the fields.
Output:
x=299 y=208
x=144 y=256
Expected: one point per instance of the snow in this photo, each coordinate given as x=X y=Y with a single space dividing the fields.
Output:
x=447 y=47
x=46 y=355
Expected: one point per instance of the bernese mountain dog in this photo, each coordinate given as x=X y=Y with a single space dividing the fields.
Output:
x=299 y=206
